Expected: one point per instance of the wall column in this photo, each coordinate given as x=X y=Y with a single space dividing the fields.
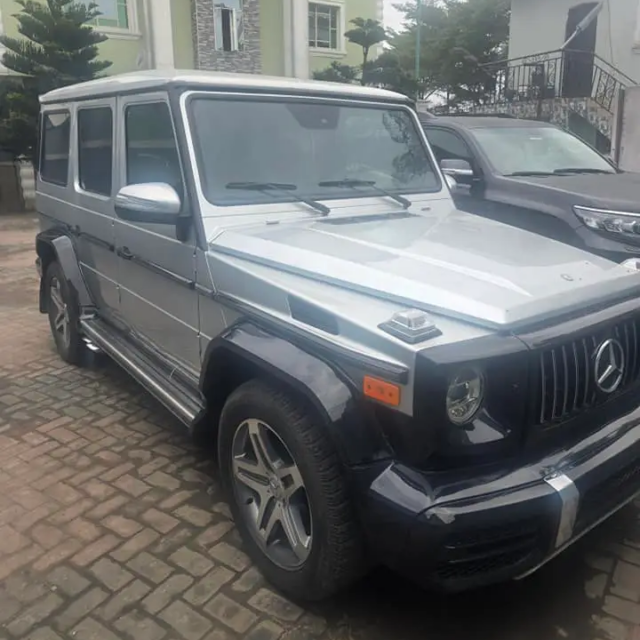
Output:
x=161 y=33
x=296 y=38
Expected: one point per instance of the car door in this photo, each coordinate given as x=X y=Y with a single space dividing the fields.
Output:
x=156 y=270
x=76 y=166
x=93 y=194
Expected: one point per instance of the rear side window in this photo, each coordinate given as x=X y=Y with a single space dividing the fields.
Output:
x=54 y=151
x=95 y=149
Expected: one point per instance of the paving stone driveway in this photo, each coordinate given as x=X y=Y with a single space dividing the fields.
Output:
x=112 y=525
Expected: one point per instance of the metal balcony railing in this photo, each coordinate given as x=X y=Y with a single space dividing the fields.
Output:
x=556 y=74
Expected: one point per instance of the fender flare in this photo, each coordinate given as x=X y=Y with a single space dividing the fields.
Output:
x=349 y=421
x=60 y=248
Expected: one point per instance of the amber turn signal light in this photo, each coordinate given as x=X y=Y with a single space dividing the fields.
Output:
x=381 y=391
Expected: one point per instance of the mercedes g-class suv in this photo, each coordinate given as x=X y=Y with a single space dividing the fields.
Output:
x=387 y=379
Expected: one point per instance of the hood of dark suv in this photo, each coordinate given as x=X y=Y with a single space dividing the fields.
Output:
x=615 y=191
x=446 y=261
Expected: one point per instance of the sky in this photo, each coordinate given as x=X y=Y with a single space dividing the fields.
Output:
x=392 y=18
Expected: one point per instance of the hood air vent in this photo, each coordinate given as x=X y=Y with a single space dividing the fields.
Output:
x=312 y=315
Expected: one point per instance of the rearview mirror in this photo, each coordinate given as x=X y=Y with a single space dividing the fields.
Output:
x=456 y=168
x=149 y=202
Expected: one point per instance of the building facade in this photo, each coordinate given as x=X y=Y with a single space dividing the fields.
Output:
x=274 y=37
x=539 y=26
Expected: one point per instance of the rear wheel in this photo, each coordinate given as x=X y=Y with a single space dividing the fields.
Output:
x=287 y=493
x=63 y=316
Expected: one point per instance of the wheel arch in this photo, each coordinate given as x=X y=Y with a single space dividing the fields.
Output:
x=54 y=245
x=248 y=351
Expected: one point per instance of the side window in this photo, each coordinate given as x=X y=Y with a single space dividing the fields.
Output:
x=448 y=146
x=95 y=149
x=54 y=150
x=151 y=149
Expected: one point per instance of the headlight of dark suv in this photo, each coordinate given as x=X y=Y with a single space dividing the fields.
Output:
x=618 y=222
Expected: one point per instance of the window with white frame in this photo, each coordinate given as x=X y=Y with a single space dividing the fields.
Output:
x=114 y=13
x=324 y=26
x=227 y=25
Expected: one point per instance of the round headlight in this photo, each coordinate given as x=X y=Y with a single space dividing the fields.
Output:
x=465 y=395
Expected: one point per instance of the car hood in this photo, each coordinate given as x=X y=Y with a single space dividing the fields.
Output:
x=447 y=262
x=617 y=191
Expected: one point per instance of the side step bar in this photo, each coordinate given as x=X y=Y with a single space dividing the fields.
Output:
x=183 y=401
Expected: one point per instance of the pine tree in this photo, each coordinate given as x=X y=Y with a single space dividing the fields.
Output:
x=58 y=47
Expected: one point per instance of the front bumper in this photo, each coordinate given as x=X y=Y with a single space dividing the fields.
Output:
x=457 y=533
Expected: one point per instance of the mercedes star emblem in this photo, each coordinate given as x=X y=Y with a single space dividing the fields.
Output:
x=609 y=366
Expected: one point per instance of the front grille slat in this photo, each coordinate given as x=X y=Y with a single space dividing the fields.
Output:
x=577 y=385
x=567 y=378
x=565 y=367
x=554 y=369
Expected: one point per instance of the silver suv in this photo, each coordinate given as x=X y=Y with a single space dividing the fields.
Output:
x=387 y=379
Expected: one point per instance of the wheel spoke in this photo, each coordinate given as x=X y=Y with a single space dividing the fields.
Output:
x=60 y=321
x=56 y=298
x=251 y=474
x=298 y=540
x=266 y=509
x=260 y=446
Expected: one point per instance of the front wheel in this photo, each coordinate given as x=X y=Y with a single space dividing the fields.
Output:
x=287 y=493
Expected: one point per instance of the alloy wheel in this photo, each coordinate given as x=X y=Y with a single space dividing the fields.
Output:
x=271 y=494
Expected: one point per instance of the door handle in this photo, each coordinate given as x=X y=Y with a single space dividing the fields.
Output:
x=124 y=253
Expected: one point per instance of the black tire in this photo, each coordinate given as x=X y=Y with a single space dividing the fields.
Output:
x=69 y=344
x=335 y=559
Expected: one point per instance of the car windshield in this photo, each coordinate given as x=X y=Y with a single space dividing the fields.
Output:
x=260 y=151
x=544 y=150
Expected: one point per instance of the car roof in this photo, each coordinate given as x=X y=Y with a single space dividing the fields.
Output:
x=485 y=122
x=142 y=81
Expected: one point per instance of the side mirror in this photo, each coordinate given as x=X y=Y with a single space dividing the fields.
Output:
x=149 y=202
x=456 y=168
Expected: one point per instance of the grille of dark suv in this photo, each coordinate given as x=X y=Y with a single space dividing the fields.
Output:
x=567 y=383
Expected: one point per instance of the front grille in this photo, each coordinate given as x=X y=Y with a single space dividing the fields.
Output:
x=566 y=373
x=602 y=498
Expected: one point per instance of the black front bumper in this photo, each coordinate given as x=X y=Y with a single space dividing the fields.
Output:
x=474 y=531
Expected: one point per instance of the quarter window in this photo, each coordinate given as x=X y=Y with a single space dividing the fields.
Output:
x=448 y=146
x=323 y=26
x=115 y=13
x=151 y=149
x=95 y=149
x=54 y=151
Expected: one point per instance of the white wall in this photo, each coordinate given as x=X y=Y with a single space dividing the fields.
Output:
x=539 y=25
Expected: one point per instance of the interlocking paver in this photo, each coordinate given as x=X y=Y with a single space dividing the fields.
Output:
x=112 y=528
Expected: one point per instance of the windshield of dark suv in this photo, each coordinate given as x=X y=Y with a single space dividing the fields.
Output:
x=538 y=151
x=261 y=151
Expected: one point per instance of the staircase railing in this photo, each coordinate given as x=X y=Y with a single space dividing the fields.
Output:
x=556 y=74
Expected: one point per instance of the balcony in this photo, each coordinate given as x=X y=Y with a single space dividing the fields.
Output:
x=568 y=74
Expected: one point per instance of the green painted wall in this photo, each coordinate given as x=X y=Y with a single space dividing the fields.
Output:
x=354 y=9
x=121 y=52
x=272 y=37
x=182 y=37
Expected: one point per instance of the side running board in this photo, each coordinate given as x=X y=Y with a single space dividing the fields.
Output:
x=182 y=400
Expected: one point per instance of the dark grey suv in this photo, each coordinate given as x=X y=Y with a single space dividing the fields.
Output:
x=538 y=177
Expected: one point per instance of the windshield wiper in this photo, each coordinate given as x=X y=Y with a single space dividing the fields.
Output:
x=523 y=174
x=280 y=186
x=354 y=184
x=580 y=170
